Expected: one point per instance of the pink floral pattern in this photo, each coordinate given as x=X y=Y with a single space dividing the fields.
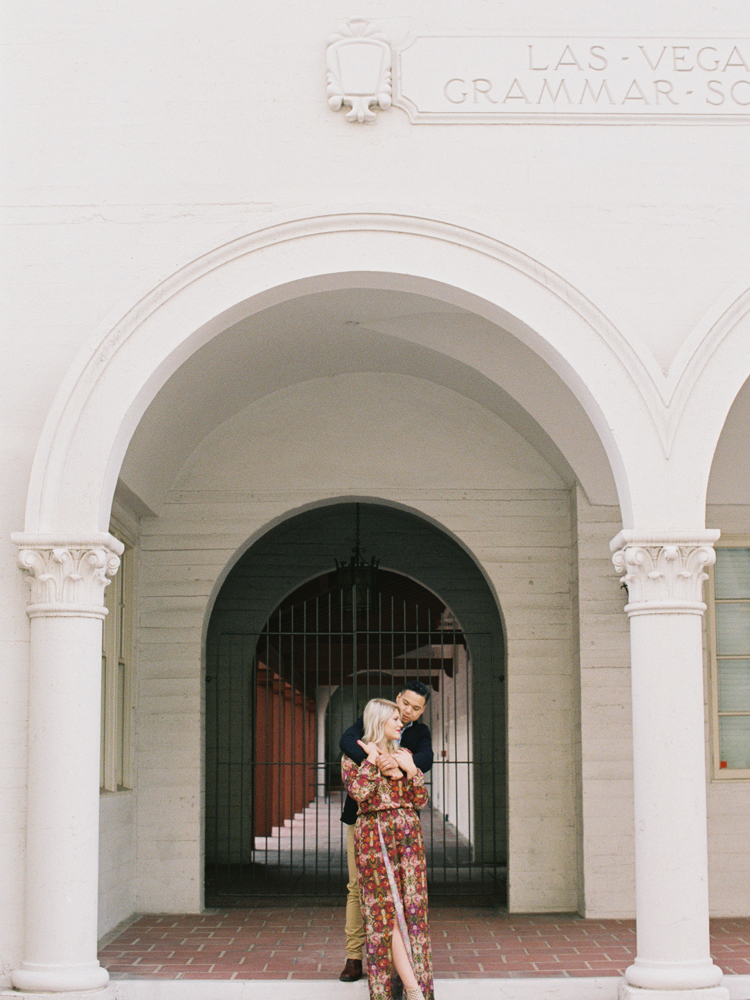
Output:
x=388 y=808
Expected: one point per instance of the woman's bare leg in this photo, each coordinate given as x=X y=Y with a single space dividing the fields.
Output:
x=401 y=960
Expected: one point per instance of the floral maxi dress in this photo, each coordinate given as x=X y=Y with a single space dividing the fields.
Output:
x=392 y=872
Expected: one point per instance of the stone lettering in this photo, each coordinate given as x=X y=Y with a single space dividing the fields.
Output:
x=560 y=87
x=699 y=59
x=597 y=52
x=604 y=87
x=562 y=61
x=715 y=87
x=507 y=79
x=531 y=60
x=637 y=96
x=679 y=57
x=655 y=65
x=458 y=97
x=482 y=86
x=740 y=61
x=520 y=96
x=664 y=88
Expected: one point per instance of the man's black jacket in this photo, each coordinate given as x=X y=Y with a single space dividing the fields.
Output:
x=415 y=737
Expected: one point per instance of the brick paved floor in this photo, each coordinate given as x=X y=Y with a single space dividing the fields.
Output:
x=303 y=942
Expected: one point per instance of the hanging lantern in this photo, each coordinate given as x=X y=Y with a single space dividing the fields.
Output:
x=357 y=579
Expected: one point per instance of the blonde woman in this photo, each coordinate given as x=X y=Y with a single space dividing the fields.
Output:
x=390 y=858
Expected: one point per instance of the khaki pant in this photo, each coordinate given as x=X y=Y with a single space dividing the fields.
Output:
x=355 y=928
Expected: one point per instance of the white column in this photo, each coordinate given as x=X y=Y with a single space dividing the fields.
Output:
x=68 y=577
x=664 y=574
x=322 y=697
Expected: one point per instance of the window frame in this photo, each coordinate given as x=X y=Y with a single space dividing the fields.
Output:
x=719 y=773
x=116 y=767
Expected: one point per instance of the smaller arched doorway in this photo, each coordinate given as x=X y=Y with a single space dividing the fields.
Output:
x=281 y=690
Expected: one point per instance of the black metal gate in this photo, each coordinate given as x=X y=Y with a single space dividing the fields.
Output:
x=278 y=700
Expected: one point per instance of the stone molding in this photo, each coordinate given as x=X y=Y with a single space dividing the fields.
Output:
x=664 y=571
x=68 y=575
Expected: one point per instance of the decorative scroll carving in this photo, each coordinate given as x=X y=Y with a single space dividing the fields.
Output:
x=359 y=70
x=68 y=577
x=664 y=573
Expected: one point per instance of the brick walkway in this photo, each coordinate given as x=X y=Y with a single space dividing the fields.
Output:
x=302 y=942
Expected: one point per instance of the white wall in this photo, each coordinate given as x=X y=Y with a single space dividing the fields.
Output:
x=117 y=898
x=608 y=845
x=13 y=716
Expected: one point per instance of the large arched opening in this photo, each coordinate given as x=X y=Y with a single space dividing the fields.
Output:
x=285 y=677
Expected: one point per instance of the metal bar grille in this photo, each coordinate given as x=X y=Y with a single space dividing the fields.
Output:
x=278 y=701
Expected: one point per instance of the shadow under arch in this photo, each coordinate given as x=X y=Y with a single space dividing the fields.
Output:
x=278 y=522
x=294 y=562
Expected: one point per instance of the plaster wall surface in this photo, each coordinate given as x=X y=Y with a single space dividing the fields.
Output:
x=607 y=842
x=117 y=900
x=14 y=687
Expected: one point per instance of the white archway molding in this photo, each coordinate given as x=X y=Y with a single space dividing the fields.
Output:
x=712 y=331
x=108 y=389
x=709 y=372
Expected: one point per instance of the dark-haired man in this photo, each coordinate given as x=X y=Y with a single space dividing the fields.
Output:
x=415 y=737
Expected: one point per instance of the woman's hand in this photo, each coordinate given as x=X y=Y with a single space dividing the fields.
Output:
x=393 y=772
x=372 y=750
x=406 y=762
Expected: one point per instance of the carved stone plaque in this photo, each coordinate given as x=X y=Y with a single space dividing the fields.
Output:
x=504 y=79
x=359 y=71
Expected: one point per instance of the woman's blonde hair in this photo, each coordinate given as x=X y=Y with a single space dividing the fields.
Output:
x=377 y=712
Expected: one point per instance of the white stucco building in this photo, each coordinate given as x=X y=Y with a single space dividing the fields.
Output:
x=513 y=308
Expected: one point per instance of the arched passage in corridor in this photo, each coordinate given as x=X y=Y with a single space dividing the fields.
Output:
x=292 y=656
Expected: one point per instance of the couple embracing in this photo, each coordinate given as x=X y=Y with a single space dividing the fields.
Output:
x=386 y=755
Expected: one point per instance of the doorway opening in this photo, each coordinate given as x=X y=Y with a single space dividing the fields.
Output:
x=281 y=691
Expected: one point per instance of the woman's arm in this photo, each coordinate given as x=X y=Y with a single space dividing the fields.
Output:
x=362 y=781
x=415 y=789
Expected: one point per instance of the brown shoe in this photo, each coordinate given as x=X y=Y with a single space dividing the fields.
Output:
x=352 y=971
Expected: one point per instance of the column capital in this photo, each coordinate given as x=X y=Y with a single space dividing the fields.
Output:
x=68 y=573
x=664 y=570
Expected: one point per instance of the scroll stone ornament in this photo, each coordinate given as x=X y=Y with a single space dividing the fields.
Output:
x=664 y=574
x=359 y=70
x=68 y=578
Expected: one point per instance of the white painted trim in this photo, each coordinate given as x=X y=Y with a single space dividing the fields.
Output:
x=559 y=988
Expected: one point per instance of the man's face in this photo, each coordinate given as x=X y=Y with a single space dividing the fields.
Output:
x=410 y=705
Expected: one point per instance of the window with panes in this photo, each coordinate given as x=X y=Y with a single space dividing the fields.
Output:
x=730 y=661
x=117 y=678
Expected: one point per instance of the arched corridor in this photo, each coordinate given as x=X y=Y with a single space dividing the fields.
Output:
x=280 y=692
